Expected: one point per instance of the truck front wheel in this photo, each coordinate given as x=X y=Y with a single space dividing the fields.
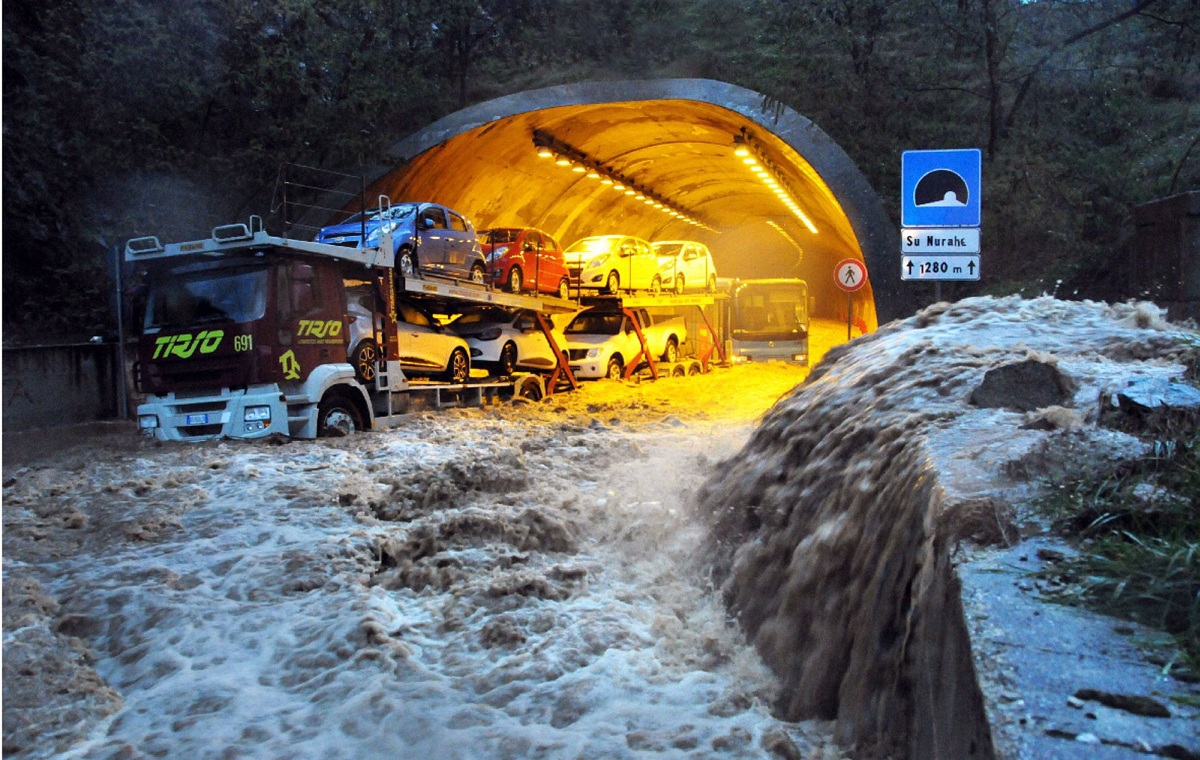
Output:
x=337 y=417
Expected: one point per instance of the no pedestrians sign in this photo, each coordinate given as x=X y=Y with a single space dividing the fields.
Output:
x=850 y=275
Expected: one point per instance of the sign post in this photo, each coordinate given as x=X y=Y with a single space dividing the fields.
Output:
x=850 y=275
x=940 y=212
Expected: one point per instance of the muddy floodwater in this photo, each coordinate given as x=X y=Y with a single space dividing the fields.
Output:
x=476 y=583
x=729 y=565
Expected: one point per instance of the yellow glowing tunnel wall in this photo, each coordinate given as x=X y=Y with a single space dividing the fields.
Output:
x=678 y=141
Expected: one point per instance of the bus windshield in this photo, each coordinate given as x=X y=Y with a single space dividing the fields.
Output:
x=770 y=312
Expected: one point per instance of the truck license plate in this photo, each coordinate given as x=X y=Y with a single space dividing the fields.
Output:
x=197 y=419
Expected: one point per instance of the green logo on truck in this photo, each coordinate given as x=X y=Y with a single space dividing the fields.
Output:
x=186 y=344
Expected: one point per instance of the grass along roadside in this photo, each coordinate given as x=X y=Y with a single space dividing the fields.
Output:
x=1138 y=535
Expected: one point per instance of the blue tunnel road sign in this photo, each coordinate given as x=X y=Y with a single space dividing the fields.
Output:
x=940 y=188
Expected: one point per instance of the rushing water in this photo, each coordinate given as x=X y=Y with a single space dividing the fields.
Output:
x=465 y=586
x=520 y=582
x=831 y=530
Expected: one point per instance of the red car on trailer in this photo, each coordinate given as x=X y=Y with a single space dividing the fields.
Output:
x=524 y=259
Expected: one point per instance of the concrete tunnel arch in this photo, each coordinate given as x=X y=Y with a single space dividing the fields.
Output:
x=675 y=138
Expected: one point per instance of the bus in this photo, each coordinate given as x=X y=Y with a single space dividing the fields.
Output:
x=769 y=320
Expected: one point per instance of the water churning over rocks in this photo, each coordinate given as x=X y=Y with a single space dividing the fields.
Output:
x=832 y=530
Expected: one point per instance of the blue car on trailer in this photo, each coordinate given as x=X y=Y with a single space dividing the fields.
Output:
x=428 y=238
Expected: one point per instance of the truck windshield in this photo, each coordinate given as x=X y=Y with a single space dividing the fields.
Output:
x=207 y=297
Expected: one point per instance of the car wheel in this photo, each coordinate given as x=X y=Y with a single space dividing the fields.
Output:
x=478 y=274
x=530 y=388
x=337 y=417
x=712 y=284
x=679 y=285
x=672 y=352
x=678 y=371
x=459 y=368
x=508 y=359
x=694 y=369
x=613 y=283
x=615 y=370
x=363 y=358
x=564 y=289
x=406 y=262
x=656 y=285
x=514 y=280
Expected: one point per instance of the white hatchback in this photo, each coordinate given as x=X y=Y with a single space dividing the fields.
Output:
x=685 y=265
x=504 y=340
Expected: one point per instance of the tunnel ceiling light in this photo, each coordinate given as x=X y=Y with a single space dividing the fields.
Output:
x=755 y=159
x=566 y=155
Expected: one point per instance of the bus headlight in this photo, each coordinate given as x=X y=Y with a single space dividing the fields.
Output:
x=148 y=421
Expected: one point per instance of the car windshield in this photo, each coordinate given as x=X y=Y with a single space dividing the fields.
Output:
x=592 y=246
x=668 y=249
x=209 y=296
x=495 y=237
x=398 y=211
x=484 y=315
x=594 y=324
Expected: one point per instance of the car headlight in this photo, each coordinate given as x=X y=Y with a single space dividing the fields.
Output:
x=499 y=251
x=147 y=421
x=597 y=262
x=593 y=353
x=257 y=414
x=491 y=333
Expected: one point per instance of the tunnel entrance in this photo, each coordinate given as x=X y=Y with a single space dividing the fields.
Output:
x=762 y=186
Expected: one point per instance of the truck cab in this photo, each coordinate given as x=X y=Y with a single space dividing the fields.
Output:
x=245 y=336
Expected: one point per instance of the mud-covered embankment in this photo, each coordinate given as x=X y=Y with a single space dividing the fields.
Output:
x=833 y=528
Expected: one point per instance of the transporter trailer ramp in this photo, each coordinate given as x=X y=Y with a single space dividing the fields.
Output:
x=246 y=335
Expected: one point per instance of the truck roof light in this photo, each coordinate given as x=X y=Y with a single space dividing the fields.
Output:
x=143 y=245
x=229 y=232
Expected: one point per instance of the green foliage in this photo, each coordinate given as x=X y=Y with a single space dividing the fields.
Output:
x=128 y=117
x=1140 y=543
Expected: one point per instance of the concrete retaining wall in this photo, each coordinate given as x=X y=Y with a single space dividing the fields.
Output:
x=45 y=386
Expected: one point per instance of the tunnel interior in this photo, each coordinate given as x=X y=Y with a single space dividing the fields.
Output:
x=762 y=187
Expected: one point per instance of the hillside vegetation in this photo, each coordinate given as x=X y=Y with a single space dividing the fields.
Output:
x=129 y=117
